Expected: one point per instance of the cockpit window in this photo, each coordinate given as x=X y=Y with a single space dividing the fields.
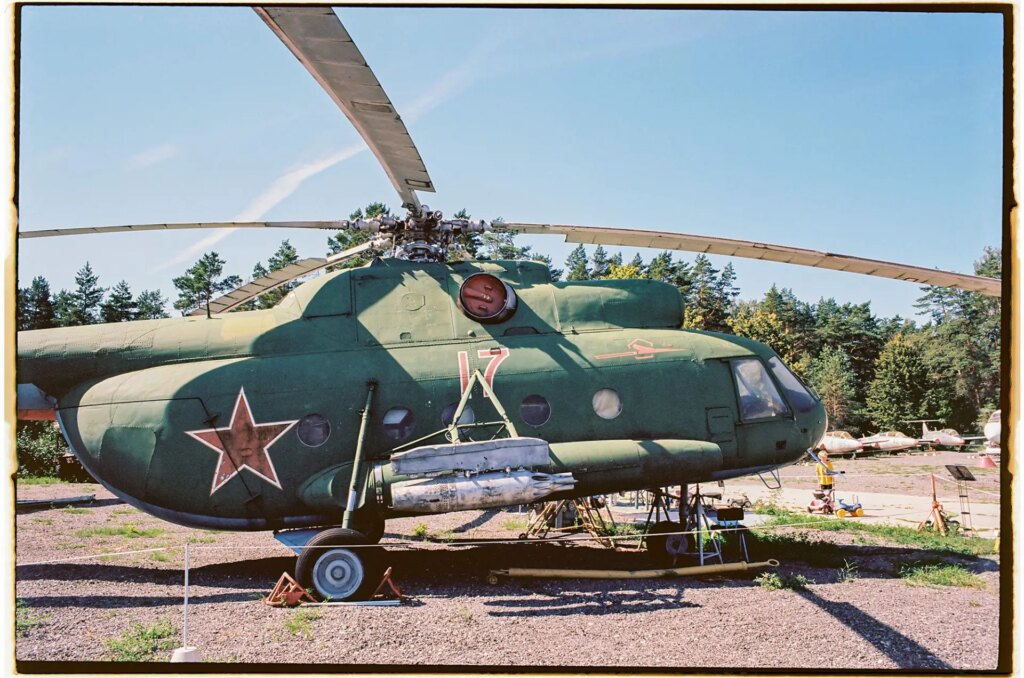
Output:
x=795 y=390
x=758 y=396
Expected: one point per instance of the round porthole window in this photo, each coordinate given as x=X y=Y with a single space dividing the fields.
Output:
x=535 y=410
x=399 y=423
x=314 y=430
x=468 y=417
x=607 y=404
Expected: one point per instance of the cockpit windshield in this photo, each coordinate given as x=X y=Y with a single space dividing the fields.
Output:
x=795 y=390
x=758 y=396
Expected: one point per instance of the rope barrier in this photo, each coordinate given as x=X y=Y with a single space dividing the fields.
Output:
x=412 y=545
x=948 y=480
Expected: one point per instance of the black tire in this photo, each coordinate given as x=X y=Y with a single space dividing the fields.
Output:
x=339 y=573
x=370 y=524
x=664 y=547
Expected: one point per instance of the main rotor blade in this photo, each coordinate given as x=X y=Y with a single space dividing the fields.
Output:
x=755 y=250
x=275 y=279
x=318 y=40
x=49 y=233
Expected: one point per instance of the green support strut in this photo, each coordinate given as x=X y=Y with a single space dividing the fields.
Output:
x=354 y=489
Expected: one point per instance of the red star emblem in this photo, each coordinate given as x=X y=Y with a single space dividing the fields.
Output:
x=244 y=444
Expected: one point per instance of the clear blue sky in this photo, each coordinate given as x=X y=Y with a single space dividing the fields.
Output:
x=872 y=134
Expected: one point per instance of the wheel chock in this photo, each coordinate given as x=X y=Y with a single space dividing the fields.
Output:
x=287 y=593
x=386 y=580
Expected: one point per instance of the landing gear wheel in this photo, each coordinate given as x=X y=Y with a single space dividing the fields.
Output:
x=664 y=547
x=370 y=524
x=339 y=573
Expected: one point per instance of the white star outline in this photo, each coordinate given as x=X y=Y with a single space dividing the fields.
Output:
x=266 y=448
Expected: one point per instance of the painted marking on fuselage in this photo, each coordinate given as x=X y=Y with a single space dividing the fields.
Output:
x=642 y=350
x=243 y=444
x=497 y=356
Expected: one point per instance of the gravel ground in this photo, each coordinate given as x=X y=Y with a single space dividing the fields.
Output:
x=454 y=618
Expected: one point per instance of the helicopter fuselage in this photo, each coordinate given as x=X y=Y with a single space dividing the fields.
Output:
x=250 y=420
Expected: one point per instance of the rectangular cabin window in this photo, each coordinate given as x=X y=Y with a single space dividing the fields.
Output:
x=798 y=395
x=759 y=399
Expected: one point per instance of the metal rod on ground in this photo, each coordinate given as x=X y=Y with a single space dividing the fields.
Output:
x=629 y=574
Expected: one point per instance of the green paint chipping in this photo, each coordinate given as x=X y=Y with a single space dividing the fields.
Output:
x=142 y=643
x=940 y=574
x=131 y=531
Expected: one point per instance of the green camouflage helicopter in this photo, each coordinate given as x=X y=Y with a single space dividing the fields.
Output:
x=420 y=383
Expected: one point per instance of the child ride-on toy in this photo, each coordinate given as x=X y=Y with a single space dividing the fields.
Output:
x=851 y=509
x=823 y=501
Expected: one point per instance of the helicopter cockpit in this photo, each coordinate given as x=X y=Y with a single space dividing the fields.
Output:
x=758 y=395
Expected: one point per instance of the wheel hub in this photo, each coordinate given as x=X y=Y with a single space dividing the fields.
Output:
x=338 y=573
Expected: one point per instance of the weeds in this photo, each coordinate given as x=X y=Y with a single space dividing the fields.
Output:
x=131 y=531
x=43 y=521
x=902 y=536
x=847 y=573
x=421 y=531
x=24 y=619
x=75 y=510
x=444 y=536
x=300 y=623
x=201 y=539
x=939 y=574
x=515 y=525
x=39 y=480
x=160 y=556
x=141 y=643
x=464 y=616
x=773 y=581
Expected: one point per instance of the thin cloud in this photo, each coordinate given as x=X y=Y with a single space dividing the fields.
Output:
x=279 y=189
x=153 y=156
x=444 y=89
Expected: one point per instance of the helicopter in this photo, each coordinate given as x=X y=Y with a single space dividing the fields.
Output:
x=422 y=382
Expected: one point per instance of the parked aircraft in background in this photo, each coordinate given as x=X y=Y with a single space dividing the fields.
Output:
x=890 y=441
x=993 y=427
x=840 y=442
x=946 y=437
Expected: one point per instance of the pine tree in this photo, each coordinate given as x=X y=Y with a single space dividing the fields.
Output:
x=35 y=307
x=898 y=389
x=711 y=296
x=576 y=264
x=63 y=309
x=284 y=256
x=83 y=305
x=119 y=306
x=150 y=305
x=599 y=263
x=831 y=376
x=201 y=283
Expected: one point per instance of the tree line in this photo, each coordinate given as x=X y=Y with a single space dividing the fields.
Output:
x=872 y=373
